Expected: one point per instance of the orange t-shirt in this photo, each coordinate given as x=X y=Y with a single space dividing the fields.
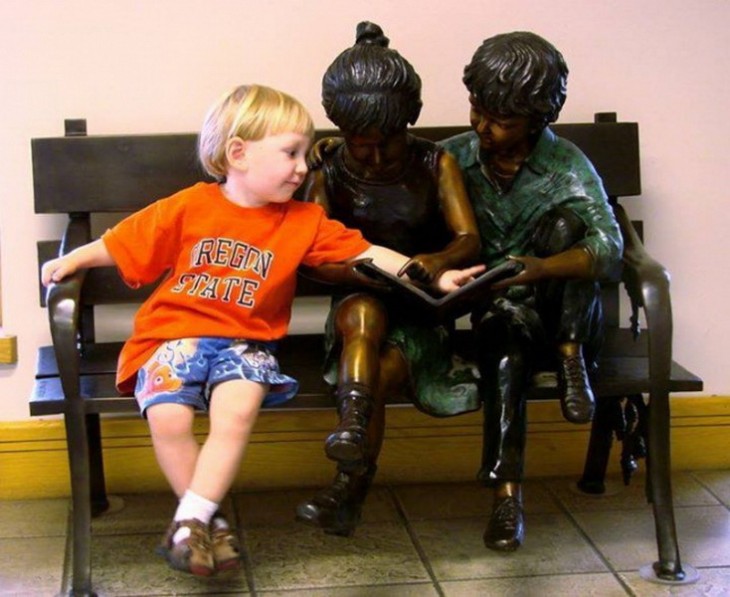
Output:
x=230 y=271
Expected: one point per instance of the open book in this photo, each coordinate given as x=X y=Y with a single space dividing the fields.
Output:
x=454 y=304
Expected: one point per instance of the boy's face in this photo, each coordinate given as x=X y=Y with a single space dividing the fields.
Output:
x=273 y=167
x=374 y=156
x=499 y=133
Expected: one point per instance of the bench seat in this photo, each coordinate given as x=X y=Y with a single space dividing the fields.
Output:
x=619 y=374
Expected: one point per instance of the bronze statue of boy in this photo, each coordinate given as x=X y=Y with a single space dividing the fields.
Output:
x=537 y=200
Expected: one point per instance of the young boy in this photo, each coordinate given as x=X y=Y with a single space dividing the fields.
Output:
x=227 y=253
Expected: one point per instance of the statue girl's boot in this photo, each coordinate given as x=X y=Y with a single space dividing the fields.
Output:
x=337 y=509
x=348 y=442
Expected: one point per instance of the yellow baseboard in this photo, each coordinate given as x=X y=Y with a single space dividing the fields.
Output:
x=286 y=449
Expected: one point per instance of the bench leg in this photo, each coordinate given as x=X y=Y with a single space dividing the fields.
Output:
x=78 y=454
x=99 y=499
x=659 y=490
x=599 y=448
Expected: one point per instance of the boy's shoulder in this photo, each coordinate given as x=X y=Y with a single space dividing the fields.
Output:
x=464 y=147
x=304 y=208
x=462 y=144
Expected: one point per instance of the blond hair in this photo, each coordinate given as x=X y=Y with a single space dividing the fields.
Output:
x=250 y=112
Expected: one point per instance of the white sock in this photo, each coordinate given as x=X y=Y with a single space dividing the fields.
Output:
x=219 y=522
x=195 y=506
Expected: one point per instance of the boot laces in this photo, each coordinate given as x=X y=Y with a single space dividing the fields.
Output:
x=507 y=513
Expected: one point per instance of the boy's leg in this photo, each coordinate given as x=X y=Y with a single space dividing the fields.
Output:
x=186 y=544
x=570 y=310
x=233 y=410
x=505 y=347
x=234 y=407
x=176 y=449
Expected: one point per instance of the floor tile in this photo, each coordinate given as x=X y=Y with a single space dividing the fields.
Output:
x=275 y=508
x=33 y=518
x=126 y=565
x=463 y=500
x=137 y=513
x=718 y=482
x=297 y=556
x=455 y=549
x=585 y=585
x=686 y=491
x=713 y=582
x=43 y=577
x=627 y=538
x=573 y=541
x=407 y=590
x=145 y=513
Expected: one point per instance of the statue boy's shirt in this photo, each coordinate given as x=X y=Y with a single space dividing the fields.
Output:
x=556 y=173
x=229 y=271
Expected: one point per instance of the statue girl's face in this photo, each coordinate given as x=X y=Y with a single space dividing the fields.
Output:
x=500 y=134
x=374 y=156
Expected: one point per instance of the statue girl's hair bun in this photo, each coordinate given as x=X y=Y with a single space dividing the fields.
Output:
x=370 y=34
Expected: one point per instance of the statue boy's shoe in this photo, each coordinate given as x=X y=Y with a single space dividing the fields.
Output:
x=506 y=527
x=576 y=396
x=194 y=554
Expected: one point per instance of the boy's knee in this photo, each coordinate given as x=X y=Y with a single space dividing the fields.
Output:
x=557 y=230
x=169 y=418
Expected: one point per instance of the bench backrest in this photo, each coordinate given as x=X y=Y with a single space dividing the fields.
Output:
x=80 y=175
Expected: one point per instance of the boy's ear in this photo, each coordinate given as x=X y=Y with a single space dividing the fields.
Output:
x=236 y=152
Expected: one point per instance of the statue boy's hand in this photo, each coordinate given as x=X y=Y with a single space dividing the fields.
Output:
x=533 y=269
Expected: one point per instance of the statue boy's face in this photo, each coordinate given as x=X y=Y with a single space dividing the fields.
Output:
x=499 y=133
x=374 y=156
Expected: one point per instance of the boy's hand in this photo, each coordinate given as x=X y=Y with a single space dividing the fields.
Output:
x=454 y=279
x=57 y=269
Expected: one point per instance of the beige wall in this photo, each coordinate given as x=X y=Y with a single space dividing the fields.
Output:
x=133 y=66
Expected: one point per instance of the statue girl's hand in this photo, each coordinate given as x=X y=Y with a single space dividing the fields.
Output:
x=424 y=268
x=321 y=149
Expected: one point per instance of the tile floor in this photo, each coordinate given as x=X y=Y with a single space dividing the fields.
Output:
x=420 y=540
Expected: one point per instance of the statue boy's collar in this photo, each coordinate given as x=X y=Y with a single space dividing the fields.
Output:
x=539 y=160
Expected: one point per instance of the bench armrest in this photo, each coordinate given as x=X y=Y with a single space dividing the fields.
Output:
x=64 y=312
x=647 y=283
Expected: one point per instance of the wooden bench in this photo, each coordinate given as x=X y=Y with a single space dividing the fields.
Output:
x=82 y=176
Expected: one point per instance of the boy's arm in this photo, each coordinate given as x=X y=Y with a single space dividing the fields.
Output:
x=573 y=263
x=395 y=263
x=94 y=254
